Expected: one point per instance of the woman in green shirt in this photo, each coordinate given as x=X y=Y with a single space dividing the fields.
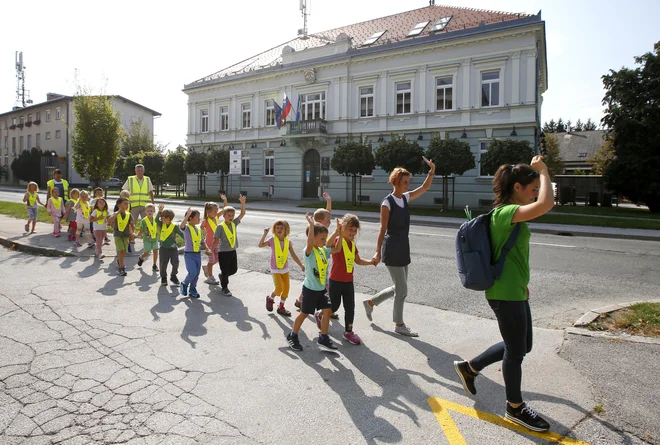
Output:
x=516 y=188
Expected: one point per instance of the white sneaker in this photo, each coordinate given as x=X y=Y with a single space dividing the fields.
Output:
x=369 y=309
x=405 y=330
x=211 y=280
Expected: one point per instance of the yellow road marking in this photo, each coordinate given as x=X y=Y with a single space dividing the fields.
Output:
x=441 y=409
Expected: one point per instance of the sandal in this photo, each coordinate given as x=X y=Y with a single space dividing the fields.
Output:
x=282 y=311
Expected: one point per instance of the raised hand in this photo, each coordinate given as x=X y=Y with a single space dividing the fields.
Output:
x=538 y=165
x=326 y=196
x=266 y=231
x=430 y=163
x=242 y=199
x=161 y=207
x=223 y=196
x=309 y=218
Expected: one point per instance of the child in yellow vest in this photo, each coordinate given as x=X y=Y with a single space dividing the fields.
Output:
x=83 y=211
x=192 y=255
x=31 y=198
x=123 y=232
x=98 y=218
x=55 y=207
x=169 y=252
x=149 y=232
x=226 y=240
x=70 y=213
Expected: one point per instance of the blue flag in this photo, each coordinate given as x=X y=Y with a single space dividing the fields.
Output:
x=278 y=114
x=298 y=111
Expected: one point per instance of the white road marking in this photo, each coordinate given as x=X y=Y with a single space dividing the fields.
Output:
x=452 y=236
x=553 y=245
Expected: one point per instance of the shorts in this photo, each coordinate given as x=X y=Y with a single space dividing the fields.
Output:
x=150 y=244
x=121 y=244
x=32 y=213
x=83 y=227
x=313 y=300
x=213 y=258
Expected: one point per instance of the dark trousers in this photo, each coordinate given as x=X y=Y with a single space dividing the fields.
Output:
x=343 y=291
x=168 y=256
x=515 y=321
x=228 y=262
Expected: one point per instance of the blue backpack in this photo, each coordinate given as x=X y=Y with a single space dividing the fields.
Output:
x=474 y=253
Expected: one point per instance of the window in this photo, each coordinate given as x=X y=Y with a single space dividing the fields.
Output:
x=20 y=144
x=371 y=40
x=224 y=118
x=441 y=24
x=443 y=93
x=403 y=95
x=29 y=118
x=38 y=140
x=205 y=121
x=47 y=116
x=246 y=109
x=37 y=116
x=582 y=155
x=270 y=113
x=417 y=30
x=366 y=102
x=29 y=141
x=22 y=120
x=313 y=106
x=13 y=121
x=48 y=135
x=13 y=145
x=245 y=163
x=269 y=162
x=490 y=89
x=57 y=134
x=58 y=113
x=483 y=148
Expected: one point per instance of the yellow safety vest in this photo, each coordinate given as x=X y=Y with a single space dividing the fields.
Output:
x=349 y=255
x=230 y=233
x=281 y=255
x=32 y=199
x=166 y=231
x=57 y=203
x=65 y=184
x=151 y=226
x=101 y=216
x=321 y=263
x=213 y=223
x=195 y=237
x=139 y=195
x=122 y=222
x=85 y=209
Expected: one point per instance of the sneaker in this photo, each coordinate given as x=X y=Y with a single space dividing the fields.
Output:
x=122 y=272
x=90 y=245
x=154 y=268
x=174 y=280
x=183 y=288
x=297 y=303
x=77 y=243
x=282 y=311
x=106 y=240
x=193 y=293
x=369 y=309
x=269 y=303
x=206 y=272
x=56 y=234
x=334 y=316
x=163 y=282
x=405 y=330
x=352 y=337
x=226 y=292
x=466 y=375
x=140 y=261
x=527 y=417
x=318 y=317
x=293 y=341
x=327 y=344
x=211 y=280
x=100 y=256
x=27 y=227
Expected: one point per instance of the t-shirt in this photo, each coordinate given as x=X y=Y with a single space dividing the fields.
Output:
x=222 y=236
x=512 y=285
x=127 y=230
x=208 y=231
x=398 y=201
x=71 y=216
x=170 y=241
x=188 y=239
x=80 y=218
x=146 y=234
x=338 y=271
x=98 y=225
x=312 y=280
x=273 y=263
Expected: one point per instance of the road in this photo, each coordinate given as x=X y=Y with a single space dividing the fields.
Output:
x=570 y=275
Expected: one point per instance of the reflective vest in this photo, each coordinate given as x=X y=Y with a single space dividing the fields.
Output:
x=139 y=195
x=65 y=184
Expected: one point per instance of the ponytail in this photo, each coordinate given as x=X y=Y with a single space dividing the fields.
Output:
x=506 y=178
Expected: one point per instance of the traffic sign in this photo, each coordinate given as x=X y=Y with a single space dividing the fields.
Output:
x=235 y=162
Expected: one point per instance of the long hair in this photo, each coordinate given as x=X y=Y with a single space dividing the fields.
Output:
x=506 y=178
x=105 y=205
x=208 y=206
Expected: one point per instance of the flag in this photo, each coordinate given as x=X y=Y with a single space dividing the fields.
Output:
x=278 y=114
x=298 y=111
x=286 y=109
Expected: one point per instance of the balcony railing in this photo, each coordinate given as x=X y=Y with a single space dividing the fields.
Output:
x=314 y=126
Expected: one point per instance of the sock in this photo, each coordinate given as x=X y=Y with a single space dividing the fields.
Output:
x=281 y=304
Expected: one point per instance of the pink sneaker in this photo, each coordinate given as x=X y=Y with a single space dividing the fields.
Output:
x=57 y=234
x=352 y=337
x=317 y=317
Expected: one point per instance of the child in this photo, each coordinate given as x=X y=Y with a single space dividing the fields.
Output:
x=210 y=225
x=127 y=195
x=70 y=213
x=121 y=222
x=516 y=189
x=82 y=219
x=341 y=274
x=279 y=263
x=191 y=253
x=98 y=218
x=323 y=217
x=315 y=295
x=149 y=233
x=96 y=194
x=169 y=252
x=226 y=237
x=55 y=208
x=31 y=198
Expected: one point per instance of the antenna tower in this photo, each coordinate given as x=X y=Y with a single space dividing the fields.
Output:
x=303 y=9
x=22 y=97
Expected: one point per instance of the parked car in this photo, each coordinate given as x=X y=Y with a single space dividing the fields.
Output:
x=112 y=182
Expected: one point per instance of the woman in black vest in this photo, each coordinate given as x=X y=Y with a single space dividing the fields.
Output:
x=393 y=245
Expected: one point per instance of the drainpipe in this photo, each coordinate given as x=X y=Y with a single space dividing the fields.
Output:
x=66 y=153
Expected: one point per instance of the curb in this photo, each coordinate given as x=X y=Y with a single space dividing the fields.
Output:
x=614 y=337
x=46 y=251
x=592 y=315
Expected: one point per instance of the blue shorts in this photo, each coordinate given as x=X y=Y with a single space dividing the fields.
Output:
x=32 y=213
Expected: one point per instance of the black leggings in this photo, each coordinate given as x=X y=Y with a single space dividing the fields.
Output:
x=228 y=262
x=515 y=321
x=339 y=290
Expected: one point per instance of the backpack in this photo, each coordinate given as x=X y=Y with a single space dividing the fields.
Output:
x=474 y=253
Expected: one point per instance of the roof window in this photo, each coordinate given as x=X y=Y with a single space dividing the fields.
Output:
x=441 y=24
x=417 y=30
x=371 y=40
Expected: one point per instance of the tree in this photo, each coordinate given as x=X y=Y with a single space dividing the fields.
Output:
x=602 y=159
x=96 y=135
x=505 y=152
x=218 y=161
x=174 y=170
x=451 y=157
x=590 y=125
x=400 y=152
x=561 y=126
x=27 y=166
x=153 y=164
x=138 y=140
x=353 y=158
x=632 y=116
x=550 y=127
x=196 y=164
x=579 y=126
x=552 y=156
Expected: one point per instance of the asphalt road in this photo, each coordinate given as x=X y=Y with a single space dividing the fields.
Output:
x=570 y=275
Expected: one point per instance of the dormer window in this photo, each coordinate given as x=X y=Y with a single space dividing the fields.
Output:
x=417 y=30
x=441 y=24
x=371 y=40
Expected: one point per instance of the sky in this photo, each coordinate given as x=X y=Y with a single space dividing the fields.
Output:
x=147 y=50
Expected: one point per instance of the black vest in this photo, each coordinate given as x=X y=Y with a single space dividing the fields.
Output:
x=396 y=245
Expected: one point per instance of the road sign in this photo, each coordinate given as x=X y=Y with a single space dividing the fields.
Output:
x=235 y=162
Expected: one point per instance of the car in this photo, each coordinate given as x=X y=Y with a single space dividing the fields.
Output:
x=112 y=182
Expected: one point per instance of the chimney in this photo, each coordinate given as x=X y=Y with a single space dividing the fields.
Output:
x=53 y=96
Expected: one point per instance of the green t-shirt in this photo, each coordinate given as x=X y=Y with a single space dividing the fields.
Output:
x=512 y=285
x=170 y=241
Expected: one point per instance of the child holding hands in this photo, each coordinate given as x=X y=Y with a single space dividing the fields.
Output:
x=31 y=198
x=98 y=218
x=149 y=232
x=169 y=252
x=55 y=208
x=83 y=210
x=191 y=253
x=121 y=221
x=226 y=241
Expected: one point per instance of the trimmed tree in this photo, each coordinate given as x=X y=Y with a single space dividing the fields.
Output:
x=196 y=165
x=451 y=157
x=602 y=159
x=552 y=157
x=97 y=136
x=353 y=158
x=505 y=152
x=632 y=116
x=27 y=166
x=400 y=152
x=218 y=161
x=174 y=170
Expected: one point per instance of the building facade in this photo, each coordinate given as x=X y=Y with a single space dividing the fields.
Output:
x=47 y=126
x=457 y=72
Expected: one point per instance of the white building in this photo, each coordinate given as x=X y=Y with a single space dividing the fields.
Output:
x=471 y=74
x=47 y=126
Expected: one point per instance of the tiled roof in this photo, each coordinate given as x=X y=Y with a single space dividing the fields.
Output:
x=571 y=145
x=398 y=26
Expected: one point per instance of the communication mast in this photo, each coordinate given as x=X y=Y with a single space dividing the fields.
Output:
x=22 y=96
x=303 y=9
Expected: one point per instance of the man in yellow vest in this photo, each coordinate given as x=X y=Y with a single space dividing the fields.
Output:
x=58 y=183
x=141 y=190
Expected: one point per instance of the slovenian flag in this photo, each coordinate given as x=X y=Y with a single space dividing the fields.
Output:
x=286 y=109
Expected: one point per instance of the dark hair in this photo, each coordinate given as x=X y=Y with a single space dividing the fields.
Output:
x=350 y=220
x=56 y=171
x=506 y=178
x=193 y=214
x=96 y=204
x=167 y=213
x=121 y=201
x=319 y=228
